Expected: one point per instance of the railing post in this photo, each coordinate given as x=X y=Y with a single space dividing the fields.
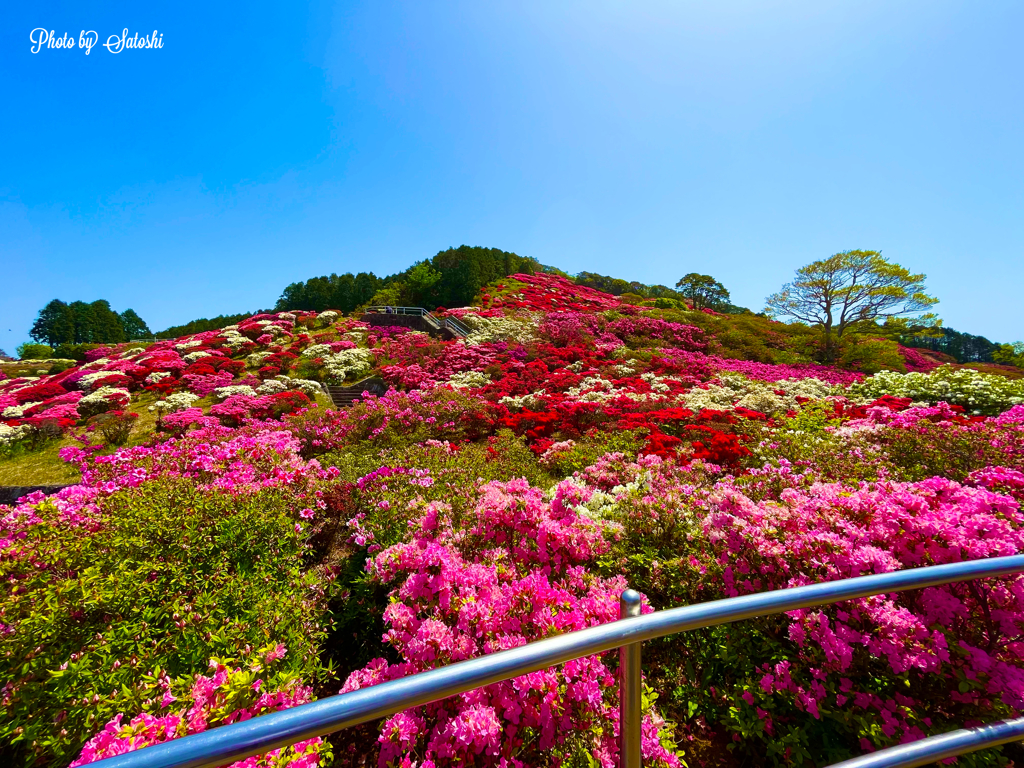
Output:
x=630 y=688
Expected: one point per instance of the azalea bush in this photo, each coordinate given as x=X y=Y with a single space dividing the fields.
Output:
x=823 y=684
x=256 y=549
x=509 y=573
x=116 y=427
x=195 y=703
x=975 y=391
x=105 y=585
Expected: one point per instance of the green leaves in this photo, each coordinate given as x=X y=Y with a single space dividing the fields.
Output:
x=173 y=577
x=849 y=289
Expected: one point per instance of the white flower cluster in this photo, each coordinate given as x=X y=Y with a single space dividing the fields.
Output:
x=156 y=376
x=576 y=367
x=657 y=383
x=739 y=391
x=284 y=383
x=191 y=357
x=977 y=392
x=340 y=365
x=469 y=379
x=17 y=411
x=102 y=400
x=232 y=338
x=86 y=381
x=326 y=318
x=596 y=389
x=179 y=401
x=223 y=393
x=530 y=402
x=306 y=386
x=316 y=350
x=188 y=344
x=593 y=389
x=271 y=387
x=489 y=329
x=10 y=435
x=255 y=360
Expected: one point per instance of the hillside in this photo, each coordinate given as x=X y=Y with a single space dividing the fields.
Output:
x=506 y=486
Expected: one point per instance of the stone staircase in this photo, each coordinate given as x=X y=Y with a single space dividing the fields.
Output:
x=345 y=397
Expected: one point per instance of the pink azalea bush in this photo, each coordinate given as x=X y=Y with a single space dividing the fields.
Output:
x=510 y=574
x=938 y=658
x=229 y=695
x=504 y=489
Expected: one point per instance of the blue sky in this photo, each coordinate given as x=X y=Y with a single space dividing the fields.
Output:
x=270 y=142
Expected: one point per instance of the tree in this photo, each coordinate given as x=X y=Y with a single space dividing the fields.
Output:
x=420 y=280
x=29 y=351
x=203 y=324
x=54 y=325
x=134 y=326
x=1009 y=354
x=849 y=290
x=703 y=291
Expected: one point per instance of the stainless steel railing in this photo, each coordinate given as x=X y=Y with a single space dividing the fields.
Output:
x=262 y=734
x=450 y=323
x=389 y=310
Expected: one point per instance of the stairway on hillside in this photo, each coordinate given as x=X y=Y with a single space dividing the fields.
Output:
x=417 y=318
x=345 y=397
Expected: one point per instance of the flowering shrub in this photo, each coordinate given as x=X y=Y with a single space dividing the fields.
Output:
x=230 y=694
x=511 y=575
x=978 y=392
x=116 y=427
x=547 y=293
x=103 y=399
x=871 y=672
x=113 y=611
x=504 y=489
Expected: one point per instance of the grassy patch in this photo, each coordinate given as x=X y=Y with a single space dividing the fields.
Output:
x=38 y=468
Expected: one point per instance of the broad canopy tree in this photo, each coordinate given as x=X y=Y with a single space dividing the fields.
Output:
x=847 y=291
x=703 y=291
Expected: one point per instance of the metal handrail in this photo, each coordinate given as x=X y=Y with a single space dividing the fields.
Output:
x=414 y=311
x=272 y=731
x=456 y=327
x=391 y=310
x=935 y=748
x=450 y=323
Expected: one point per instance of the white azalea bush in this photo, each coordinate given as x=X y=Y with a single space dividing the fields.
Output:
x=469 y=380
x=102 y=400
x=491 y=329
x=179 y=401
x=223 y=393
x=735 y=390
x=977 y=392
x=326 y=318
x=11 y=436
x=17 y=411
x=271 y=387
x=284 y=384
x=340 y=365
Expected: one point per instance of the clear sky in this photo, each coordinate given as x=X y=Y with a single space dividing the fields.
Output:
x=271 y=142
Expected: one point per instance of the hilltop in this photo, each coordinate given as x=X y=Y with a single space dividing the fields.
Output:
x=474 y=490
